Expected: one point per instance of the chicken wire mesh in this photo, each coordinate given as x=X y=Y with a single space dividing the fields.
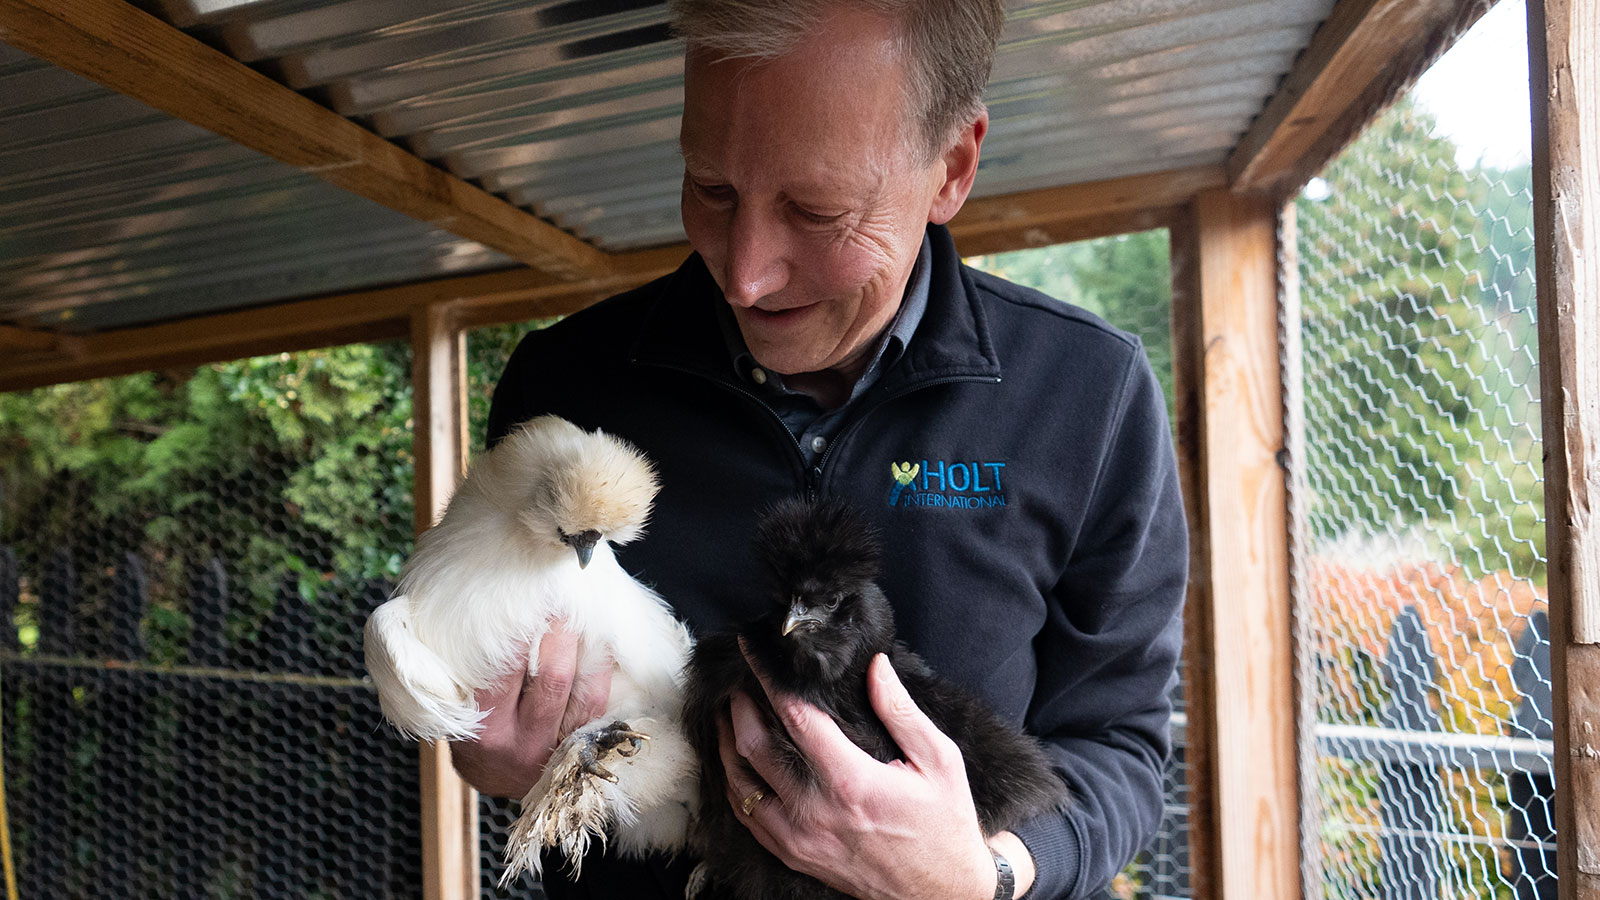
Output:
x=186 y=560
x=1127 y=280
x=1419 y=528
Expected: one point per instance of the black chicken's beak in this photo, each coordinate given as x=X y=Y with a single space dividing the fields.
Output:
x=582 y=544
x=800 y=614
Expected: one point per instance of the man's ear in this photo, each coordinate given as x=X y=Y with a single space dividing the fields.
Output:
x=960 y=168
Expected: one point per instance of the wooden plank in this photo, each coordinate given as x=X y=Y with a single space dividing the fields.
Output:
x=1564 y=38
x=439 y=373
x=1360 y=58
x=1243 y=521
x=382 y=314
x=118 y=45
x=1200 y=735
x=1078 y=211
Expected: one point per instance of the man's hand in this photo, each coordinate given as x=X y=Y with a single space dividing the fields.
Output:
x=905 y=829
x=529 y=716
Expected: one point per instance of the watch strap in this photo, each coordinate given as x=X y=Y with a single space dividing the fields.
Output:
x=1005 y=882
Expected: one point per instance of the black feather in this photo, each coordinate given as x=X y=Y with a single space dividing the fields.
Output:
x=823 y=559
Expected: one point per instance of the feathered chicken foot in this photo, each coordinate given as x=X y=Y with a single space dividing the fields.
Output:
x=615 y=738
x=572 y=811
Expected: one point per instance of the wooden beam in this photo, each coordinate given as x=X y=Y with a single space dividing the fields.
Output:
x=132 y=52
x=1244 y=660
x=439 y=374
x=1563 y=43
x=1077 y=212
x=383 y=314
x=1360 y=58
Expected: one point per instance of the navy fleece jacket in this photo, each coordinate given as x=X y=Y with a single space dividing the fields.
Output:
x=1038 y=555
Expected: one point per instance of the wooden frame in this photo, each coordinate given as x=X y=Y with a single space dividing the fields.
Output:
x=439 y=377
x=1363 y=54
x=1244 y=769
x=1564 y=39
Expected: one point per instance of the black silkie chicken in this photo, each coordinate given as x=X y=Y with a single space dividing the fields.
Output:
x=827 y=621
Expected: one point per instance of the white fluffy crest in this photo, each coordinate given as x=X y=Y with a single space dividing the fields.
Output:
x=482 y=589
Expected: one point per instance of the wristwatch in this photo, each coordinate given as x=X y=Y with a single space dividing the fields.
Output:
x=1005 y=882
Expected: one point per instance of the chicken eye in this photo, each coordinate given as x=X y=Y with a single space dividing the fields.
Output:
x=833 y=602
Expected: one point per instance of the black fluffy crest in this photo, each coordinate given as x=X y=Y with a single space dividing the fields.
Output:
x=827 y=540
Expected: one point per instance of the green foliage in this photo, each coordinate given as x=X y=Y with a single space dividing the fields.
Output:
x=294 y=465
x=1418 y=327
x=488 y=350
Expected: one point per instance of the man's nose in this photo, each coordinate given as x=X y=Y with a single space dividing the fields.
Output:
x=757 y=264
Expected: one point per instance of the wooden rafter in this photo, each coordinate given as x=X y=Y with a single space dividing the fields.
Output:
x=1363 y=54
x=1077 y=212
x=118 y=45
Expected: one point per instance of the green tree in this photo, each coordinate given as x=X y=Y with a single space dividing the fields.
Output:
x=294 y=466
x=1416 y=343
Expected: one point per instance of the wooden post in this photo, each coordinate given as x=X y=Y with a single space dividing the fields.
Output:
x=1240 y=656
x=1563 y=40
x=439 y=384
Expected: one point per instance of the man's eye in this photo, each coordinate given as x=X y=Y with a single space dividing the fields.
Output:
x=817 y=218
x=712 y=193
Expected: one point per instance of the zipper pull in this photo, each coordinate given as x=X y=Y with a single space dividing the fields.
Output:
x=813 y=483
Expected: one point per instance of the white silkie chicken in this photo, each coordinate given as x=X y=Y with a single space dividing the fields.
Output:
x=524 y=541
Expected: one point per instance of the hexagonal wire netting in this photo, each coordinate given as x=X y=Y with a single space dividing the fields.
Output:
x=1419 y=527
x=1127 y=280
x=186 y=560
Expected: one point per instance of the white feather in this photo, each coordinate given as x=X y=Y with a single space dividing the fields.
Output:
x=488 y=580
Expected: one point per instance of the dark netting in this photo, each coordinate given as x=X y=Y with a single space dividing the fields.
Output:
x=186 y=561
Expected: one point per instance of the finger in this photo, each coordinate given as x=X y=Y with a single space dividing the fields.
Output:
x=591 y=693
x=753 y=742
x=544 y=702
x=766 y=815
x=924 y=745
x=502 y=695
x=813 y=731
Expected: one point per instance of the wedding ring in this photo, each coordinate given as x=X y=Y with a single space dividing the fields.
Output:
x=751 y=802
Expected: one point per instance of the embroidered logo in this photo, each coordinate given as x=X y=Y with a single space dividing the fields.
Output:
x=967 y=484
x=904 y=473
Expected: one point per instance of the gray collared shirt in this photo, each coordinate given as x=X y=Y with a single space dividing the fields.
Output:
x=813 y=427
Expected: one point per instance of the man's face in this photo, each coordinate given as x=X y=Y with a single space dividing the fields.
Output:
x=803 y=193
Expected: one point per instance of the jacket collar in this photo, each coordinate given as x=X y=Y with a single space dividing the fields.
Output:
x=679 y=329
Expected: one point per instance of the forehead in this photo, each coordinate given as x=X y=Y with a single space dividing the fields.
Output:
x=828 y=108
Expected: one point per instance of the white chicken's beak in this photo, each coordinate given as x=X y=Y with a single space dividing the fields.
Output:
x=800 y=614
x=583 y=545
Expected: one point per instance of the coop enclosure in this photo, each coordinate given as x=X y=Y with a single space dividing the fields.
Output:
x=261 y=262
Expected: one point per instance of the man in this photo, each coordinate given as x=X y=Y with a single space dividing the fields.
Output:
x=826 y=340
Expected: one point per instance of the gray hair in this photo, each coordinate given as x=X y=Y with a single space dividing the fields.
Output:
x=949 y=46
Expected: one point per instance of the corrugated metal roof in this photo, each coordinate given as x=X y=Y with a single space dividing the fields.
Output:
x=111 y=213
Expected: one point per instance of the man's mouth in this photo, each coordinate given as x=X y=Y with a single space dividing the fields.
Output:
x=778 y=316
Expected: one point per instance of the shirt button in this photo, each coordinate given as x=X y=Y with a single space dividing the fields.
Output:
x=758 y=375
x=818 y=444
